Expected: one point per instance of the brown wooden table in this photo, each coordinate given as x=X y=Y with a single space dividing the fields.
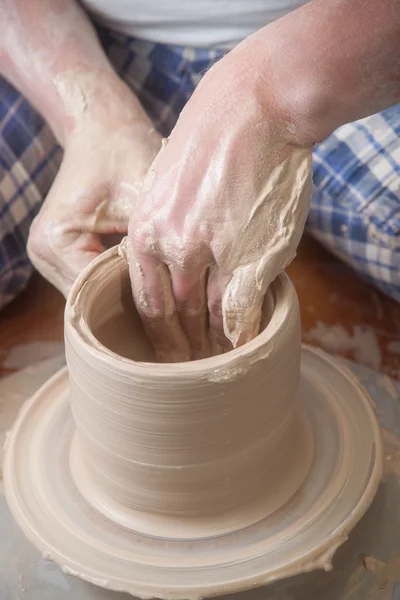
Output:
x=329 y=293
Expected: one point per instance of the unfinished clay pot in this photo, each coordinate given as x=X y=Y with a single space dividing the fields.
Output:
x=194 y=439
x=194 y=479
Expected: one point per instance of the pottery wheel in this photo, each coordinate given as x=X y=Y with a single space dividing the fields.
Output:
x=299 y=536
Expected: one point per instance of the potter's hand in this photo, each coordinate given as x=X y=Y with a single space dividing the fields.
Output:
x=107 y=154
x=220 y=215
x=224 y=208
x=50 y=52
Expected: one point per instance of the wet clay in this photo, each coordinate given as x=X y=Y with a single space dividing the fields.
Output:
x=109 y=549
x=189 y=480
x=192 y=439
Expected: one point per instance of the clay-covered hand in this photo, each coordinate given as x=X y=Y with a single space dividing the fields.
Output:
x=220 y=215
x=109 y=145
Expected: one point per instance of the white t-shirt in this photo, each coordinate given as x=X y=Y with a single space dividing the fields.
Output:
x=197 y=23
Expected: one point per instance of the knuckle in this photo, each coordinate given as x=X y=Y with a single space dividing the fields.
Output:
x=46 y=238
x=144 y=239
x=194 y=259
x=36 y=240
x=187 y=308
x=151 y=314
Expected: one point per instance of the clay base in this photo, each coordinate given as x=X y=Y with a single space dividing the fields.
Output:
x=301 y=450
x=301 y=535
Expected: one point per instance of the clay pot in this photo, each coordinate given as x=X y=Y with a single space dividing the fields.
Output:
x=188 y=439
x=189 y=480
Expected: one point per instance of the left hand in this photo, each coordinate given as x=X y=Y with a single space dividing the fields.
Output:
x=220 y=215
x=108 y=150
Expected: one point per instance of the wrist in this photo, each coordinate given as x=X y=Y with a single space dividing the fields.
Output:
x=328 y=63
x=96 y=100
x=290 y=90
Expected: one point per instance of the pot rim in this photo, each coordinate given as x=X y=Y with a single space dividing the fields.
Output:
x=218 y=367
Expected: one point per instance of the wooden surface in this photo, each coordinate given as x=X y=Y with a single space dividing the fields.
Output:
x=330 y=294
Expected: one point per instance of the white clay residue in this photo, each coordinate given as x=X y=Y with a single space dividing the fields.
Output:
x=394 y=347
x=362 y=343
x=387 y=384
x=282 y=202
x=23 y=355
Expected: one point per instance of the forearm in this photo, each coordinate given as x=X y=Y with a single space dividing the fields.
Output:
x=330 y=62
x=50 y=52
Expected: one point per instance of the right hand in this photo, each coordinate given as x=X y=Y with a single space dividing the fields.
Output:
x=221 y=213
x=109 y=145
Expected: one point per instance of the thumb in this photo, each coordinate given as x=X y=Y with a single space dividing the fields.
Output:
x=241 y=306
x=61 y=257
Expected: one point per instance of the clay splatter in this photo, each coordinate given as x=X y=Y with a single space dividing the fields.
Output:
x=24 y=355
x=387 y=384
x=394 y=347
x=372 y=564
x=362 y=343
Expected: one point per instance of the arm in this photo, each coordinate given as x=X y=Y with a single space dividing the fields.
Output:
x=50 y=52
x=329 y=62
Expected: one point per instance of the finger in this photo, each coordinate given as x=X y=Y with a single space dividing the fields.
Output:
x=242 y=305
x=81 y=250
x=108 y=217
x=151 y=288
x=60 y=260
x=189 y=292
x=107 y=209
x=218 y=340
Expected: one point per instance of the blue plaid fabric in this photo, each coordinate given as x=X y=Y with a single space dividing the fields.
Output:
x=29 y=159
x=355 y=208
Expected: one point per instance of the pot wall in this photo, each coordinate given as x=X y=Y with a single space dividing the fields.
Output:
x=188 y=438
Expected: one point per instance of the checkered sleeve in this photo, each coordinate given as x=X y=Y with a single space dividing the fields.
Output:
x=29 y=159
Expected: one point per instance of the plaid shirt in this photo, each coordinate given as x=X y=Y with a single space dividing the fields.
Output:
x=355 y=210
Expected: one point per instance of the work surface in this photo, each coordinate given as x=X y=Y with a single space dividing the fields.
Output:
x=367 y=567
x=340 y=313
